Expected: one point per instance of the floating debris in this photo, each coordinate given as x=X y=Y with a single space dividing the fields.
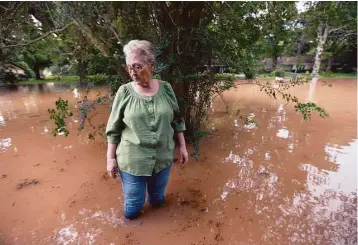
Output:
x=26 y=182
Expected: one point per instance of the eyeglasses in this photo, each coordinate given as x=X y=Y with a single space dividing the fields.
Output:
x=135 y=67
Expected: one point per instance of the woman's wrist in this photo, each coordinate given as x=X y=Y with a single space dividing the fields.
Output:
x=181 y=140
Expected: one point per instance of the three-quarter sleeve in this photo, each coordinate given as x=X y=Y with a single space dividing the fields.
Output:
x=178 y=122
x=115 y=122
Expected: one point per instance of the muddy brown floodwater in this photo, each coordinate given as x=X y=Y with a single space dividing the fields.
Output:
x=285 y=181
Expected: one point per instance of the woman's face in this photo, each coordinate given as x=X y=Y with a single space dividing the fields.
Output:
x=139 y=70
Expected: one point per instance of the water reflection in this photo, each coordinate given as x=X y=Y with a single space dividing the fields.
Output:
x=45 y=88
x=282 y=133
x=36 y=88
x=76 y=94
x=303 y=190
x=30 y=104
x=345 y=179
x=5 y=144
x=291 y=182
x=30 y=101
x=2 y=120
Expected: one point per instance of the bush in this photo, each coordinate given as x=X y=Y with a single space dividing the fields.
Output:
x=97 y=78
x=279 y=72
x=249 y=74
x=10 y=77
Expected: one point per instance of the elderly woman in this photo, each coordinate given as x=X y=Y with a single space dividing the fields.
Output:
x=144 y=117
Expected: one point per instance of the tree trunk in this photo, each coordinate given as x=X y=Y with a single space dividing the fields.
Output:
x=37 y=72
x=275 y=54
x=322 y=34
x=82 y=69
x=299 y=51
x=329 y=64
x=312 y=89
x=274 y=62
x=317 y=59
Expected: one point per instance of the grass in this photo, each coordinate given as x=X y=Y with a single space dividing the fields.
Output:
x=69 y=79
x=321 y=75
x=338 y=75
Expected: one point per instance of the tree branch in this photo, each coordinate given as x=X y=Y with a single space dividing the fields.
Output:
x=53 y=21
x=39 y=38
x=337 y=29
x=12 y=14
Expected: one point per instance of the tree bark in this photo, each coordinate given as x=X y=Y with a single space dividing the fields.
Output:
x=329 y=65
x=37 y=72
x=298 y=54
x=274 y=62
x=82 y=69
x=322 y=34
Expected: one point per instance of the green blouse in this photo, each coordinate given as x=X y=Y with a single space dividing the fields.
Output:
x=143 y=127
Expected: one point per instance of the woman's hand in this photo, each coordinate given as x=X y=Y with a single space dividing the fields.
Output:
x=183 y=155
x=112 y=167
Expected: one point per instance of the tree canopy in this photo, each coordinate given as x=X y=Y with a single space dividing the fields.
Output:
x=87 y=38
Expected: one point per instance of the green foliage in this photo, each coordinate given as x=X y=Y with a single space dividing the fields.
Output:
x=201 y=89
x=306 y=110
x=98 y=64
x=279 y=92
x=277 y=27
x=279 y=72
x=26 y=68
x=97 y=78
x=232 y=36
x=189 y=37
x=334 y=26
x=100 y=130
x=87 y=108
x=59 y=116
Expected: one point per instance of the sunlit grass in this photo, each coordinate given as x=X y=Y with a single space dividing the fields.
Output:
x=67 y=79
x=308 y=75
x=338 y=75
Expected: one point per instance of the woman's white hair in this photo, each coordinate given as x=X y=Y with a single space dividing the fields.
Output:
x=141 y=48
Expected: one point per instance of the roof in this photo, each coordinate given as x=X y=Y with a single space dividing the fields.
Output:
x=14 y=64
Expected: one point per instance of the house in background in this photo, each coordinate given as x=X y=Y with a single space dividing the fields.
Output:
x=302 y=64
x=16 y=70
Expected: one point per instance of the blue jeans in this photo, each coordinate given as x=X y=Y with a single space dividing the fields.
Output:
x=134 y=191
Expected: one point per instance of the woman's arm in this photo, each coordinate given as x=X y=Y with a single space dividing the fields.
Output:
x=183 y=152
x=111 y=151
x=114 y=132
x=181 y=139
x=178 y=124
x=112 y=166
